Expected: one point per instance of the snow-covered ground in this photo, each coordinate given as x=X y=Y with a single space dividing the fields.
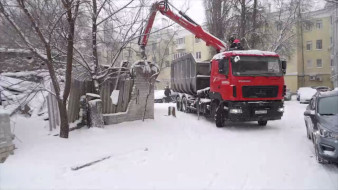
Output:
x=168 y=153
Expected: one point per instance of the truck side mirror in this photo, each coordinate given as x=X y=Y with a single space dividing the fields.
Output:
x=284 y=66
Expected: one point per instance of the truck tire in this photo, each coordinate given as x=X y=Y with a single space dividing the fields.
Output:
x=178 y=104
x=219 y=117
x=214 y=104
x=262 y=122
x=184 y=104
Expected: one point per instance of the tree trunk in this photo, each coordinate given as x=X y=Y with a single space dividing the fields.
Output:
x=94 y=47
x=243 y=19
x=254 y=26
x=64 y=127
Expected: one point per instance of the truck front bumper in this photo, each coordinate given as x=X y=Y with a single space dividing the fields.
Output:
x=255 y=111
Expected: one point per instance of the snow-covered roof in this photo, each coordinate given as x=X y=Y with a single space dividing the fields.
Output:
x=14 y=50
x=245 y=52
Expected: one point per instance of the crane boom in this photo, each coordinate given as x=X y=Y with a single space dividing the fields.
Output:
x=183 y=21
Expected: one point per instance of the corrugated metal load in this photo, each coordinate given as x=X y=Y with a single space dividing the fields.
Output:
x=188 y=76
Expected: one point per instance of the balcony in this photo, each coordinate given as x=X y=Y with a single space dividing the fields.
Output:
x=180 y=46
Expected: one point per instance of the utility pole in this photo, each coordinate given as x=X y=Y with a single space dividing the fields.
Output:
x=335 y=45
x=300 y=28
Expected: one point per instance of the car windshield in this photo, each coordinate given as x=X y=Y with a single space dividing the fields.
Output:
x=328 y=105
x=256 y=66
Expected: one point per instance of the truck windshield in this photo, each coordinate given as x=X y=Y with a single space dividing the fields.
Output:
x=256 y=66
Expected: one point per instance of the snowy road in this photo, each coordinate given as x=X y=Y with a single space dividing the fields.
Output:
x=170 y=153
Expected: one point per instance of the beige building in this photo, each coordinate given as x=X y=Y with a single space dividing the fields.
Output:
x=184 y=43
x=311 y=64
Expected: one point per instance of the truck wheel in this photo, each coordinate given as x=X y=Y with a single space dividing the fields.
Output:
x=219 y=117
x=178 y=104
x=262 y=122
x=214 y=105
x=184 y=104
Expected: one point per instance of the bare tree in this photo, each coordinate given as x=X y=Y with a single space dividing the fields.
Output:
x=47 y=21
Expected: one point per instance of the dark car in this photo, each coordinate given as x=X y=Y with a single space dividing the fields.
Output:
x=321 y=120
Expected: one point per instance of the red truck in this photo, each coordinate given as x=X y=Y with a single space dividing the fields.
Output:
x=237 y=85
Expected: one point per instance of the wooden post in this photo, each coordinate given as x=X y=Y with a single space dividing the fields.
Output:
x=173 y=111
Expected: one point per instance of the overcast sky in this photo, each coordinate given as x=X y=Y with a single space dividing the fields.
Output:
x=195 y=9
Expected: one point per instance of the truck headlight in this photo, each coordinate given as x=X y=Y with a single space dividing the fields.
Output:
x=280 y=109
x=236 y=111
x=323 y=132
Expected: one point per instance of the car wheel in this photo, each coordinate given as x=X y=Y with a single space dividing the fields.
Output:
x=307 y=131
x=184 y=104
x=219 y=117
x=262 y=122
x=319 y=158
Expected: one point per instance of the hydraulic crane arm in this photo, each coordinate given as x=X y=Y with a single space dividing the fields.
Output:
x=184 y=21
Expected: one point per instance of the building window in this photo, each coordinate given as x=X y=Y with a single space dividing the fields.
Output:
x=309 y=45
x=319 y=44
x=180 y=41
x=167 y=63
x=198 y=55
x=308 y=27
x=309 y=63
x=197 y=40
x=319 y=24
x=319 y=63
x=331 y=62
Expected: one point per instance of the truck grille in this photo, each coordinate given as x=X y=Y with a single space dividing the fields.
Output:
x=260 y=91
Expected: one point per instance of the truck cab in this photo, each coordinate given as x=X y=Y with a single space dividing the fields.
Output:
x=248 y=85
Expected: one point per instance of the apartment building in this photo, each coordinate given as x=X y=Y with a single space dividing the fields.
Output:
x=312 y=63
x=184 y=43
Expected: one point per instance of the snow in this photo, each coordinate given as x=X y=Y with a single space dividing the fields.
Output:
x=205 y=100
x=203 y=76
x=159 y=94
x=245 y=52
x=15 y=84
x=115 y=96
x=203 y=90
x=93 y=95
x=14 y=50
x=306 y=93
x=179 y=152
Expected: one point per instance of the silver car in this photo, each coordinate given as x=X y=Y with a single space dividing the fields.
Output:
x=321 y=119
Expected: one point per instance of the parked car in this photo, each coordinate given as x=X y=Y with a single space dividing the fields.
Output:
x=304 y=94
x=288 y=95
x=321 y=121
